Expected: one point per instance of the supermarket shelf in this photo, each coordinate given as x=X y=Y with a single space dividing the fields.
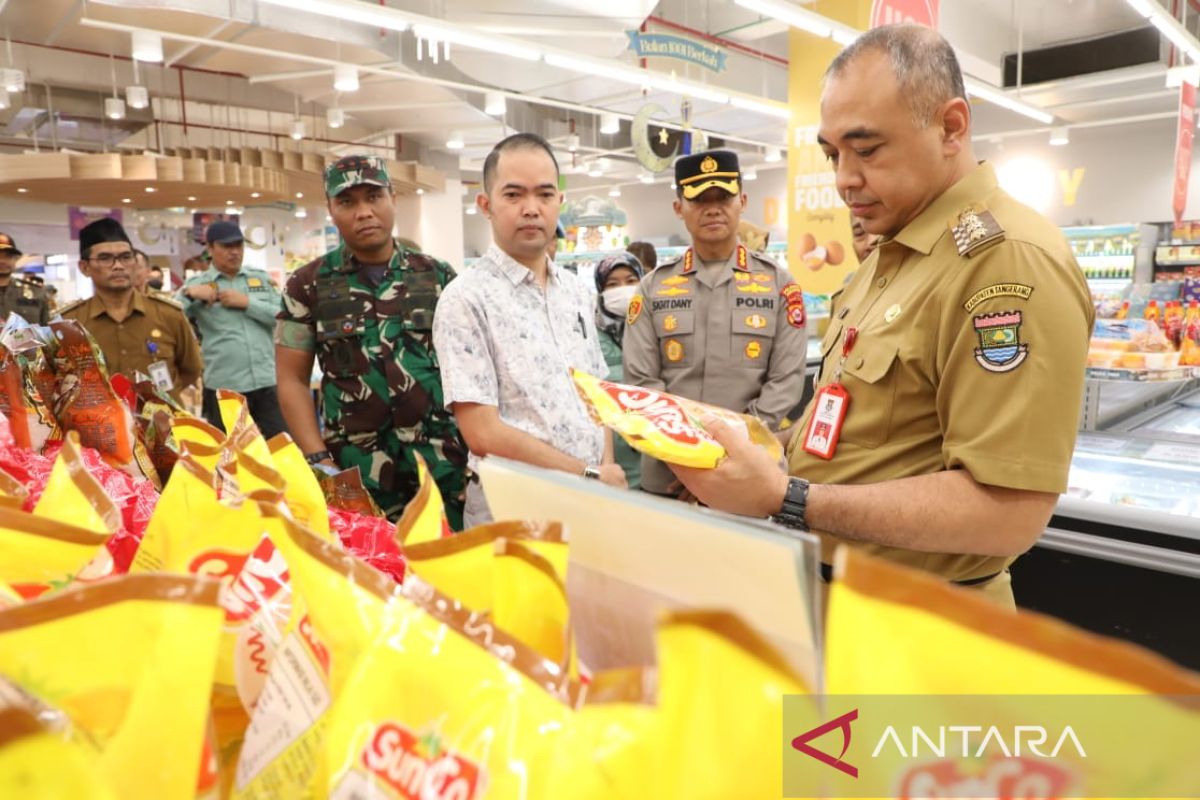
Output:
x=1174 y=375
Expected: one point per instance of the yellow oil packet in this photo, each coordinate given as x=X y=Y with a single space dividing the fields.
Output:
x=665 y=426
x=424 y=517
x=529 y=599
x=39 y=555
x=302 y=490
x=9 y=596
x=340 y=605
x=130 y=661
x=38 y=764
x=443 y=705
x=13 y=493
x=240 y=426
x=72 y=496
x=893 y=631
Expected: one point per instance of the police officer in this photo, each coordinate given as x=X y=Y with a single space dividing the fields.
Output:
x=22 y=296
x=234 y=308
x=720 y=324
x=137 y=333
x=946 y=409
x=365 y=311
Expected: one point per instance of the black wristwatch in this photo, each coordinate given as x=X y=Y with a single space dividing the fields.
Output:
x=318 y=457
x=795 y=504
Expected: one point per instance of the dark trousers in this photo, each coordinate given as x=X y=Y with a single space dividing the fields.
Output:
x=262 y=403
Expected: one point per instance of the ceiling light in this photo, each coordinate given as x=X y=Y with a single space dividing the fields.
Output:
x=772 y=154
x=147 y=46
x=228 y=202
x=14 y=80
x=255 y=194
x=301 y=213
x=137 y=96
x=1059 y=136
x=126 y=200
x=646 y=177
x=770 y=109
x=1142 y=7
x=22 y=190
x=595 y=170
x=489 y=44
x=471 y=210
x=572 y=143
x=1177 y=75
x=750 y=174
x=609 y=123
x=191 y=198
x=494 y=104
x=335 y=117
x=614 y=192
x=420 y=191
x=299 y=195
x=1000 y=98
x=786 y=12
x=455 y=142
x=114 y=108
x=150 y=190
x=298 y=129
x=345 y=78
x=347 y=10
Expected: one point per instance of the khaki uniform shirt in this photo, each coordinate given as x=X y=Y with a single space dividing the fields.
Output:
x=732 y=337
x=972 y=341
x=27 y=299
x=155 y=330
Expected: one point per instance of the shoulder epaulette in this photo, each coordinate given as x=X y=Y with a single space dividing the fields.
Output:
x=71 y=306
x=670 y=262
x=974 y=229
x=167 y=300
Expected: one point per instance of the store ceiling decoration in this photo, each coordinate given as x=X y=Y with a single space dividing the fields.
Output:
x=184 y=177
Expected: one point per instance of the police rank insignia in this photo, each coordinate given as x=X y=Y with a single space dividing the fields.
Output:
x=675 y=280
x=753 y=350
x=635 y=309
x=1000 y=348
x=674 y=349
x=756 y=321
x=670 y=323
x=753 y=288
x=672 y=291
x=709 y=164
x=974 y=229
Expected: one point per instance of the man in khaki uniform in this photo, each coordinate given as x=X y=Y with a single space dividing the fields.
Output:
x=136 y=332
x=22 y=296
x=720 y=324
x=970 y=326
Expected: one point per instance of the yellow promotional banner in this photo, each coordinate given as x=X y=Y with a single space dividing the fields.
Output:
x=819 y=242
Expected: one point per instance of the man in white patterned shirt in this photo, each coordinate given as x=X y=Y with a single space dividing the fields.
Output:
x=508 y=330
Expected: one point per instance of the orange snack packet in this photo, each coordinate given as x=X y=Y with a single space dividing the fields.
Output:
x=28 y=412
x=665 y=426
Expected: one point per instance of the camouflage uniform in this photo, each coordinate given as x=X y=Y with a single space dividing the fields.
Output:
x=381 y=395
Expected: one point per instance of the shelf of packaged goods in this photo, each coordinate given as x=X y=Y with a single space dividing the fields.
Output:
x=1175 y=374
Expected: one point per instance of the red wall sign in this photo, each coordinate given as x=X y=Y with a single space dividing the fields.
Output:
x=917 y=12
x=1183 y=148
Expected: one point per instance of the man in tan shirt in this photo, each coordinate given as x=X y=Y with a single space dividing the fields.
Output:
x=138 y=333
x=961 y=341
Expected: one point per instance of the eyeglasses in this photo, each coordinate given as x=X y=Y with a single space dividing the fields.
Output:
x=128 y=258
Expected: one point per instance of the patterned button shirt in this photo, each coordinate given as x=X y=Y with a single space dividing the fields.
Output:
x=504 y=341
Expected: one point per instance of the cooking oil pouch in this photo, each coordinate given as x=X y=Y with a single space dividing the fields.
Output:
x=240 y=426
x=894 y=631
x=443 y=704
x=340 y=606
x=665 y=426
x=87 y=403
x=9 y=596
x=130 y=662
x=301 y=488
x=424 y=517
x=13 y=493
x=73 y=496
x=39 y=555
x=38 y=764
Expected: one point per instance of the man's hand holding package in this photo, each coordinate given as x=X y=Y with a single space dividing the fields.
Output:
x=749 y=480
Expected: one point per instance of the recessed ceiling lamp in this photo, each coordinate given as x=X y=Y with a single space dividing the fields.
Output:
x=301 y=213
x=150 y=190
x=335 y=117
x=455 y=142
x=1059 y=136
x=772 y=154
x=22 y=190
x=126 y=200
x=147 y=46
x=299 y=195
x=609 y=123
x=494 y=104
x=345 y=78
x=298 y=129
x=255 y=194
x=420 y=191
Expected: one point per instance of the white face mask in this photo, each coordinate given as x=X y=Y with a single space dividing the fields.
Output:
x=616 y=300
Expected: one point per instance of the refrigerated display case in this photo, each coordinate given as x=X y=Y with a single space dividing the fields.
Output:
x=1121 y=555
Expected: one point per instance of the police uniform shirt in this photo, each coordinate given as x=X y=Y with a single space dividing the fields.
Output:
x=155 y=330
x=25 y=298
x=733 y=337
x=973 y=326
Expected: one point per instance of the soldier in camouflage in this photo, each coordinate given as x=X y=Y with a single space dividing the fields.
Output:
x=365 y=311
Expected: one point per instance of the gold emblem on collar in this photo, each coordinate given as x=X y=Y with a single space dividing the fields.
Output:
x=974 y=229
x=709 y=164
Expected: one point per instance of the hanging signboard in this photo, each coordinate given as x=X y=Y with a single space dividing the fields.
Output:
x=664 y=45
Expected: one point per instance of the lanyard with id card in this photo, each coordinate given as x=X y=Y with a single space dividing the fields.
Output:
x=830 y=407
x=160 y=373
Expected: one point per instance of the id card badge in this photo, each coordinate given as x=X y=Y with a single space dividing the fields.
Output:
x=825 y=428
x=161 y=376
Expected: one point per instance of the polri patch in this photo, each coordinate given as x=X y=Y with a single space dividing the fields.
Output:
x=635 y=309
x=1000 y=348
x=997 y=290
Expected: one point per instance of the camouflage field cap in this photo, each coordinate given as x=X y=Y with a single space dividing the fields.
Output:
x=350 y=171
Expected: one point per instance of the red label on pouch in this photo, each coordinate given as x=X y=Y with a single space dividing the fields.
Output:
x=825 y=426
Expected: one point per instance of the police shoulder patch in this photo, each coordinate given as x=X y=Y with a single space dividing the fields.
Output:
x=635 y=309
x=974 y=229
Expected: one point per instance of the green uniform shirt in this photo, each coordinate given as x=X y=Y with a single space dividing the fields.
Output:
x=973 y=326
x=382 y=390
x=239 y=352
